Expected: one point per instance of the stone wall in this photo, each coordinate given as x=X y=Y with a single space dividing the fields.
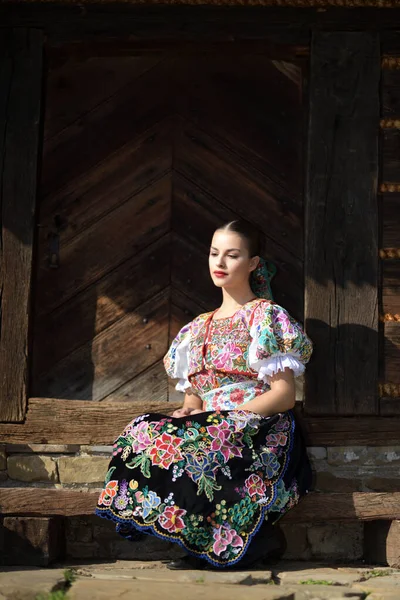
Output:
x=336 y=469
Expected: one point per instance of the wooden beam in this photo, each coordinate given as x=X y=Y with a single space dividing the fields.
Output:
x=20 y=101
x=315 y=507
x=62 y=22
x=50 y=421
x=341 y=265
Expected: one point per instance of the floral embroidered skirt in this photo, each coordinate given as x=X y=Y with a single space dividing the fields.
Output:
x=206 y=482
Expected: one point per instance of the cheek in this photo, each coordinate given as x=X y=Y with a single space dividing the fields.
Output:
x=238 y=269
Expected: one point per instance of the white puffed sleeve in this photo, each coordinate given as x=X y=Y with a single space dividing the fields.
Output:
x=278 y=341
x=176 y=361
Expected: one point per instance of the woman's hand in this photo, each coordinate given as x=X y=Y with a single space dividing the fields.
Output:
x=185 y=412
x=181 y=412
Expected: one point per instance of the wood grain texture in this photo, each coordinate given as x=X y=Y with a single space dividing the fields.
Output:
x=21 y=73
x=119 y=353
x=116 y=237
x=56 y=421
x=392 y=352
x=130 y=206
x=390 y=161
x=341 y=296
x=391 y=286
x=390 y=216
x=314 y=508
x=100 y=305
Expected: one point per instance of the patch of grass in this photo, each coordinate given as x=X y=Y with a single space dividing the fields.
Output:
x=377 y=573
x=317 y=582
x=59 y=595
x=59 y=592
x=69 y=576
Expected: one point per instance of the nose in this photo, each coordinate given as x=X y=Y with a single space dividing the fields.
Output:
x=221 y=263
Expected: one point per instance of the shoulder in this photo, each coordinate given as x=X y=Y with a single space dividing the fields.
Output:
x=199 y=322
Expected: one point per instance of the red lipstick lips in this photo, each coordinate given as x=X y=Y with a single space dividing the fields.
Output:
x=220 y=274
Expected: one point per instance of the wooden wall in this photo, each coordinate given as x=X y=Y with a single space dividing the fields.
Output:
x=143 y=157
x=389 y=201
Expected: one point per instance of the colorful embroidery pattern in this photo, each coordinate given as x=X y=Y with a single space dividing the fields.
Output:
x=197 y=460
x=260 y=323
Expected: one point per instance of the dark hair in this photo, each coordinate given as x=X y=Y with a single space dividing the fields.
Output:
x=250 y=233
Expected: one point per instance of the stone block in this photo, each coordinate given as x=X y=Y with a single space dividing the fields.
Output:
x=32 y=541
x=297 y=543
x=339 y=541
x=364 y=455
x=382 y=543
x=32 y=468
x=3 y=476
x=3 y=457
x=97 y=450
x=317 y=453
x=83 y=469
x=297 y=574
x=29 y=584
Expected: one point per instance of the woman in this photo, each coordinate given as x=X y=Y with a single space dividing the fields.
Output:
x=217 y=475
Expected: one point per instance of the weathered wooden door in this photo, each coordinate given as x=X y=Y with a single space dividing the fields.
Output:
x=143 y=158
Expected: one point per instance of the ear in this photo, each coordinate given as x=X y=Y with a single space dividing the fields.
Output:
x=254 y=263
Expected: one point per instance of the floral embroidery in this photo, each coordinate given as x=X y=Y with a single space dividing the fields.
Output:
x=255 y=485
x=109 y=492
x=165 y=451
x=227 y=360
x=226 y=537
x=171 y=519
x=224 y=359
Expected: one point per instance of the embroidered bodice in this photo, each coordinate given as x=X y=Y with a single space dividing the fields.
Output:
x=228 y=362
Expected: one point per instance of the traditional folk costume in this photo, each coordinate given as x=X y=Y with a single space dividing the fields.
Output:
x=216 y=482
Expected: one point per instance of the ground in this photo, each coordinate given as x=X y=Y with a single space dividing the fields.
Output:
x=152 y=580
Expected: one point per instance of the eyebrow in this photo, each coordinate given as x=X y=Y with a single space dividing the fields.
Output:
x=230 y=249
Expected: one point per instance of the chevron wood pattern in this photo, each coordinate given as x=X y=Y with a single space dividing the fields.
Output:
x=143 y=158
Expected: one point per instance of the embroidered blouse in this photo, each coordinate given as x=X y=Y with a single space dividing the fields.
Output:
x=228 y=362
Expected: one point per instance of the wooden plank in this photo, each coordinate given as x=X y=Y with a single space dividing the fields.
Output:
x=56 y=421
x=390 y=220
x=390 y=107
x=21 y=71
x=116 y=237
x=115 y=356
x=98 y=191
x=348 y=431
x=62 y=22
x=391 y=286
x=265 y=137
x=190 y=273
x=341 y=297
x=92 y=311
x=149 y=386
x=392 y=352
x=76 y=86
x=315 y=507
x=107 y=128
x=389 y=407
x=390 y=167
x=220 y=173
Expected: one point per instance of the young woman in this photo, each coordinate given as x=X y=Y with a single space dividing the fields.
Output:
x=217 y=475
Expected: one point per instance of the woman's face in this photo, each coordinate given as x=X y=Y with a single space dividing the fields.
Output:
x=229 y=261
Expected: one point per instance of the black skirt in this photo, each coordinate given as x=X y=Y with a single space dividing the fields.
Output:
x=207 y=482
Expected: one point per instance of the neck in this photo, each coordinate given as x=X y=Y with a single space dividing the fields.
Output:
x=232 y=299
